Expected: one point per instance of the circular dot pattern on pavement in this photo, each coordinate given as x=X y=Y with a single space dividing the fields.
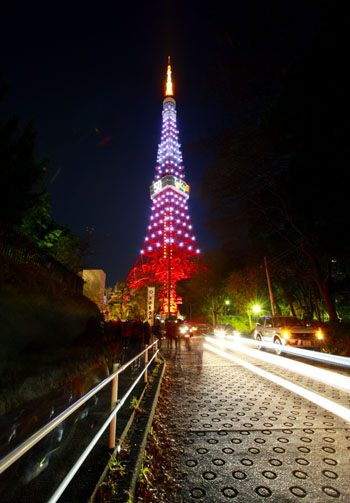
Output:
x=243 y=438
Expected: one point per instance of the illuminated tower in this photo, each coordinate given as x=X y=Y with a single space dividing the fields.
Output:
x=169 y=252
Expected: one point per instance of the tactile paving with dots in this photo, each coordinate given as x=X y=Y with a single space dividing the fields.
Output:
x=247 y=439
x=337 y=395
x=231 y=397
x=279 y=466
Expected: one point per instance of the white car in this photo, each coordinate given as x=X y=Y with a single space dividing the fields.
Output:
x=287 y=331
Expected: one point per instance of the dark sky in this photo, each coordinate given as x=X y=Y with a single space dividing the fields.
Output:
x=74 y=68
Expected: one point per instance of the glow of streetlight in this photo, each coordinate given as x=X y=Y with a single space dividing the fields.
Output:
x=256 y=309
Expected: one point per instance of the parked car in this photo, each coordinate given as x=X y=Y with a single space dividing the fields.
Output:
x=287 y=331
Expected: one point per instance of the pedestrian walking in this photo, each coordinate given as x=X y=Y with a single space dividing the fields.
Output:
x=136 y=337
x=147 y=333
x=170 y=331
x=157 y=332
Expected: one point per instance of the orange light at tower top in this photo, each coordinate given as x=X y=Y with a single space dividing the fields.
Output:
x=169 y=84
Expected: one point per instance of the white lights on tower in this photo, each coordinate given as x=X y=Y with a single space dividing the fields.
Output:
x=170 y=222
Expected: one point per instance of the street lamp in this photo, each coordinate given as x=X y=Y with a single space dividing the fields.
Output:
x=254 y=309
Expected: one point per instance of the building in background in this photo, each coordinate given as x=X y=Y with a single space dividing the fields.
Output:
x=94 y=285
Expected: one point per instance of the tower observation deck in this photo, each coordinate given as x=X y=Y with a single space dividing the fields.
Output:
x=169 y=252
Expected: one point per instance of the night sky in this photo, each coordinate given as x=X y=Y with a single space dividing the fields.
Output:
x=92 y=77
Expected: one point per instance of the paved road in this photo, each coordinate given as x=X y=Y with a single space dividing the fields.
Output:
x=246 y=439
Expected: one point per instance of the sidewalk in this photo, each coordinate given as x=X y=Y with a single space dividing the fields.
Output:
x=245 y=439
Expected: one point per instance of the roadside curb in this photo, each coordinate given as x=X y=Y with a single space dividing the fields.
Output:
x=138 y=463
x=128 y=489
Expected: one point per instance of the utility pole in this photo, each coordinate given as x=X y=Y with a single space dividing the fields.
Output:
x=269 y=286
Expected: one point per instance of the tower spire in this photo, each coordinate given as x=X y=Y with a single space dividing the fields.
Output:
x=169 y=84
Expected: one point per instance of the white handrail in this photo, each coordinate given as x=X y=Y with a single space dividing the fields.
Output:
x=65 y=482
x=18 y=452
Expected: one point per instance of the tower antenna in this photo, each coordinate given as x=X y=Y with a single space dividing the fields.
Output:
x=169 y=84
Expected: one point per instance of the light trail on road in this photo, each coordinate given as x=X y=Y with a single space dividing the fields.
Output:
x=327 y=404
x=341 y=361
x=323 y=375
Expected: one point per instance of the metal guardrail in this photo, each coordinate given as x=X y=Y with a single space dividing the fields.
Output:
x=19 y=451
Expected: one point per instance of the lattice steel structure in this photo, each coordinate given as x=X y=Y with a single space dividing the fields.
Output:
x=169 y=252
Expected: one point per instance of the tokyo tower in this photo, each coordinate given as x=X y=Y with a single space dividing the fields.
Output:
x=169 y=252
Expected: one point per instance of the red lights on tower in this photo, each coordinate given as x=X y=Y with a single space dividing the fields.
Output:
x=169 y=252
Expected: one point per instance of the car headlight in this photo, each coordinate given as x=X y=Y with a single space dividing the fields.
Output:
x=183 y=330
x=319 y=335
x=286 y=335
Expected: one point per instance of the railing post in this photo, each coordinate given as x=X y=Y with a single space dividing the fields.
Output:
x=114 y=398
x=146 y=361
